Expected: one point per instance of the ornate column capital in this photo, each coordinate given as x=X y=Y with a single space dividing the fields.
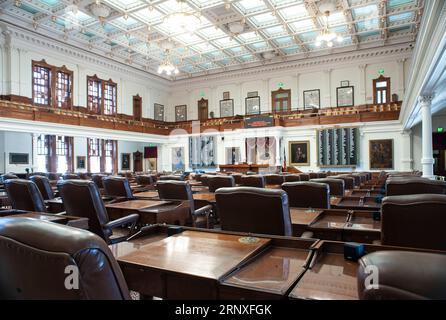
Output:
x=425 y=101
x=362 y=66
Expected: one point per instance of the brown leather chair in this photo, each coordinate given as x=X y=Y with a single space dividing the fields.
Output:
x=117 y=187
x=53 y=176
x=24 y=195
x=181 y=190
x=313 y=175
x=254 y=210
x=83 y=176
x=403 y=275
x=8 y=176
x=70 y=176
x=42 y=174
x=172 y=177
x=337 y=187
x=349 y=182
x=144 y=180
x=35 y=256
x=274 y=179
x=43 y=183
x=395 y=187
x=291 y=178
x=204 y=179
x=362 y=178
x=97 y=179
x=81 y=198
x=304 y=177
x=237 y=177
x=256 y=181
x=414 y=221
x=308 y=194
x=321 y=175
x=216 y=182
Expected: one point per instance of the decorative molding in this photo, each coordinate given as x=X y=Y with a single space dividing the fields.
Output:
x=425 y=101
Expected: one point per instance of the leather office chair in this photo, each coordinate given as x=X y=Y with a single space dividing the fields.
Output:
x=395 y=187
x=42 y=174
x=70 y=176
x=405 y=275
x=83 y=176
x=414 y=221
x=256 y=181
x=337 y=187
x=204 y=179
x=349 y=182
x=356 y=179
x=313 y=175
x=35 y=255
x=144 y=180
x=304 y=177
x=81 y=198
x=308 y=194
x=117 y=187
x=254 y=210
x=172 y=177
x=362 y=178
x=292 y=178
x=24 y=195
x=53 y=176
x=216 y=182
x=237 y=177
x=274 y=179
x=8 y=176
x=44 y=186
x=97 y=179
x=181 y=190
x=321 y=175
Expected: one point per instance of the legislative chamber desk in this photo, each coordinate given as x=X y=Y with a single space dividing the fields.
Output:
x=242 y=168
x=356 y=203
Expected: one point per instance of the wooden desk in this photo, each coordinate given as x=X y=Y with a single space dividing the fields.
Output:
x=147 y=194
x=242 y=168
x=76 y=222
x=55 y=205
x=353 y=203
x=301 y=218
x=273 y=186
x=183 y=266
x=365 y=193
x=209 y=197
x=4 y=200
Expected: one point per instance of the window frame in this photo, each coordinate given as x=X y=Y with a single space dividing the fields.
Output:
x=102 y=86
x=102 y=154
x=381 y=78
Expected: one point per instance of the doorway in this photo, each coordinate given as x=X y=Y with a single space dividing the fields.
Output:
x=439 y=152
x=281 y=100
x=203 y=106
x=137 y=161
x=137 y=108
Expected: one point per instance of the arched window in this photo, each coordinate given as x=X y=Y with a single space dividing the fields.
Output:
x=381 y=90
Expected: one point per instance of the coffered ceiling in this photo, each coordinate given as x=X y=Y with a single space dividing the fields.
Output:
x=233 y=34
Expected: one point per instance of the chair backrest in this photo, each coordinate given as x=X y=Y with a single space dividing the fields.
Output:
x=349 y=182
x=256 y=181
x=8 y=176
x=117 y=187
x=321 y=175
x=254 y=210
x=24 y=195
x=172 y=177
x=395 y=187
x=70 y=176
x=337 y=187
x=35 y=256
x=216 y=182
x=274 y=179
x=313 y=175
x=304 y=177
x=53 y=176
x=308 y=194
x=144 y=180
x=292 y=178
x=83 y=176
x=414 y=221
x=81 y=198
x=44 y=186
x=237 y=177
x=97 y=179
x=42 y=174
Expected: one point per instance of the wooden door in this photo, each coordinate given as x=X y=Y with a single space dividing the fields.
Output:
x=281 y=100
x=137 y=108
x=137 y=161
x=203 y=105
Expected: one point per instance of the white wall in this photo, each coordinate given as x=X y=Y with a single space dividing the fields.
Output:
x=15 y=142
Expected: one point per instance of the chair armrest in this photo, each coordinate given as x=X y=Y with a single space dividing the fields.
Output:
x=307 y=235
x=60 y=213
x=132 y=218
x=203 y=210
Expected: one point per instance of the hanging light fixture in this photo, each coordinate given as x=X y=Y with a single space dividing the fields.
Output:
x=183 y=20
x=326 y=35
x=167 y=67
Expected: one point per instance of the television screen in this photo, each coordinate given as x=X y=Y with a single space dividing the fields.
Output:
x=18 y=158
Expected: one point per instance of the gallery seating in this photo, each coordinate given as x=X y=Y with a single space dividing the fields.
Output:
x=415 y=221
x=256 y=181
x=70 y=176
x=337 y=187
x=254 y=210
x=402 y=275
x=35 y=255
x=307 y=194
x=117 y=187
x=44 y=185
x=82 y=199
x=274 y=179
x=24 y=195
x=181 y=190
x=216 y=182
x=414 y=185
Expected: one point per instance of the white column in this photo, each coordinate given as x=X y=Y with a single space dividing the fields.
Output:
x=327 y=97
x=406 y=151
x=401 y=85
x=427 y=159
x=362 y=84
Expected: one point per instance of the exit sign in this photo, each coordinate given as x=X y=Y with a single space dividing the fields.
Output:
x=280 y=84
x=202 y=94
x=381 y=71
x=440 y=130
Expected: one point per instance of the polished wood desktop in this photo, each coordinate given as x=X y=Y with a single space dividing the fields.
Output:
x=146 y=194
x=355 y=203
x=209 y=197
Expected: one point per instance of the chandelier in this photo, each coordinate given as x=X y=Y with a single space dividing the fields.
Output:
x=167 y=67
x=326 y=35
x=182 y=20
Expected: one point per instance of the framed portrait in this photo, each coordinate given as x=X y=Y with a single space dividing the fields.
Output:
x=181 y=113
x=80 y=162
x=227 y=108
x=299 y=153
x=158 y=112
x=125 y=161
x=312 y=99
x=252 y=105
x=226 y=95
x=345 y=96
x=345 y=83
x=381 y=154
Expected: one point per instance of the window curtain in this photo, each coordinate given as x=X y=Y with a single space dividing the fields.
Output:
x=261 y=150
x=202 y=152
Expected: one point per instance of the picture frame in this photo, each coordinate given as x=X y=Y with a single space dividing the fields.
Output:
x=226 y=95
x=181 y=113
x=345 y=96
x=381 y=154
x=252 y=105
x=227 y=108
x=345 y=83
x=158 y=112
x=80 y=162
x=19 y=158
x=299 y=153
x=312 y=99
x=125 y=161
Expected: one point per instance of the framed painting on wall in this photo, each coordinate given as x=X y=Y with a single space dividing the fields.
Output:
x=158 y=112
x=312 y=99
x=299 y=153
x=226 y=108
x=80 y=162
x=181 y=113
x=381 y=154
x=252 y=105
x=345 y=96
x=125 y=161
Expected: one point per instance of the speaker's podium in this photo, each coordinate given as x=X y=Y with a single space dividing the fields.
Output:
x=242 y=168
